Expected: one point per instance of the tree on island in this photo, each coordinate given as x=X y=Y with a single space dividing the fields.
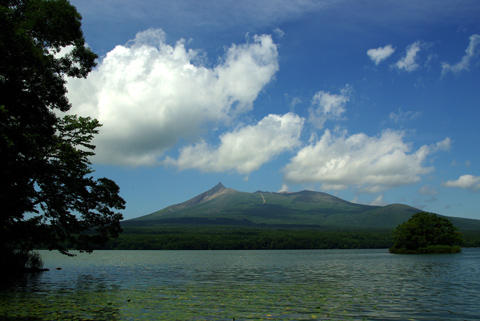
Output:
x=426 y=233
x=48 y=196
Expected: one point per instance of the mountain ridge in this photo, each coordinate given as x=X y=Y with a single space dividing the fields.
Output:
x=201 y=198
x=221 y=205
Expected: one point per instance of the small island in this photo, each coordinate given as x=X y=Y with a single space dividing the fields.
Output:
x=426 y=233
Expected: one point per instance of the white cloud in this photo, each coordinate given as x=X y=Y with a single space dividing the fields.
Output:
x=371 y=164
x=245 y=149
x=295 y=102
x=408 y=62
x=326 y=106
x=470 y=53
x=404 y=116
x=378 y=201
x=284 y=189
x=379 y=54
x=148 y=94
x=443 y=145
x=279 y=32
x=469 y=182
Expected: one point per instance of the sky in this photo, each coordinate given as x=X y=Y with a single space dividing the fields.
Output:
x=375 y=102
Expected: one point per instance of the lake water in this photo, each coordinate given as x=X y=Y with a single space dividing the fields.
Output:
x=248 y=285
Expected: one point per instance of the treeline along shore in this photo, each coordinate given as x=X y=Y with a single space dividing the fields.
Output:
x=248 y=238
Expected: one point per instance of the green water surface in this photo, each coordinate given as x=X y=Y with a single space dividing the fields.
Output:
x=248 y=285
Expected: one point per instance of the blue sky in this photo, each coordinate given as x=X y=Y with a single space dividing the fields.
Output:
x=376 y=102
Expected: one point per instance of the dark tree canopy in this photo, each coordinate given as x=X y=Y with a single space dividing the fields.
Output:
x=426 y=233
x=47 y=193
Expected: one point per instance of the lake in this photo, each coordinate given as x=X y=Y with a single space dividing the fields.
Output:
x=248 y=285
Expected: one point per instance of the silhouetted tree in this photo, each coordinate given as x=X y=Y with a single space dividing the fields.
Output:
x=47 y=193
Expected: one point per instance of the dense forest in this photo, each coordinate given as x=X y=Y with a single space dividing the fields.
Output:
x=245 y=238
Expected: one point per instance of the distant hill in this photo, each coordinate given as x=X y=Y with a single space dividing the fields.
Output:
x=226 y=206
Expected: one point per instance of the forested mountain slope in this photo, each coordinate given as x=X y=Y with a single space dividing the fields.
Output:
x=226 y=206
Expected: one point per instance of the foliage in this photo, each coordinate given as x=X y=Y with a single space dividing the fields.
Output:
x=471 y=238
x=20 y=261
x=246 y=238
x=225 y=237
x=47 y=193
x=426 y=233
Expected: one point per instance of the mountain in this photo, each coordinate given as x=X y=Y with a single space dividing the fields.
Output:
x=226 y=206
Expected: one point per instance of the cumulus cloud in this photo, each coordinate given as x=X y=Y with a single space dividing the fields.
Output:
x=379 y=54
x=471 y=53
x=408 y=62
x=246 y=149
x=371 y=164
x=326 y=106
x=148 y=94
x=469 y=182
